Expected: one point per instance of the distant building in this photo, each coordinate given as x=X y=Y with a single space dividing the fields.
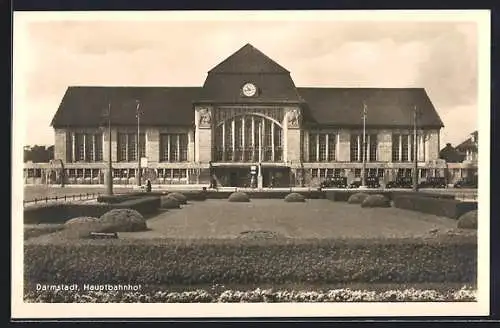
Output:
x=462 y=160
x=247 y=114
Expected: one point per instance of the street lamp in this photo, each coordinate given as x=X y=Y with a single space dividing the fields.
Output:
x=363 y=170
x=415 y=145
x=138 y=115
x=109 y=171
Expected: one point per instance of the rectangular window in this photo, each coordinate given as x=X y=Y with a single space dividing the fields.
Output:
x=322 y=173
x=238 y=139
x=313 y=140
x=336 y=173
x=183 y=147
x=423 y=173
x=330 y=173
x=131 y=173
x=176 y=173
x=98 y=147
x=122 y=147
x=248 y=140
x=174 y=154
x=380 y=173
x=164 y=147
x=372 y=172
x=278 y=147
x=89 y=147
x=80 y=147
x=132 y=147
x=404 y=148
x=373 y=148
x=79 y=173
x=142 y=145
x=357 y=173
x=332 y=145
x=314 y=173
x=322 y=147
x=354 y=148
x=268 y=153
x=228 y=140
x=395 y=147
x=72 y=173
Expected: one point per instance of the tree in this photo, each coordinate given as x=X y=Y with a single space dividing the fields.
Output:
x=38 y=154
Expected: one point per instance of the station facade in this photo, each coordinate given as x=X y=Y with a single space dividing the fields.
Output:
x=247 y=121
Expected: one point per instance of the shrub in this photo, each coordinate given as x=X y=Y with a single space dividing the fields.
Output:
x=295 y=198
x=123 y=220
x=169 y=202
x=81 y=220
x=180 y=198
x=248 y=261
x=357 y=198
x=61 y=212
x=376 y=201
x=468 y=220
x=239 y=197
x=438 y=206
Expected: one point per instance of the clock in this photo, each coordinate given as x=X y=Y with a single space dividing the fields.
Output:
x=249 y=89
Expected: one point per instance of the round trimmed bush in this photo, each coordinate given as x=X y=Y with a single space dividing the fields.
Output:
x=376 y=201
x=239 y=197
x=357 y=198
x=181 y=199
x=468 y=220
x=170 y=202
x=295 y=198
x=81 y=220
x=122 y=220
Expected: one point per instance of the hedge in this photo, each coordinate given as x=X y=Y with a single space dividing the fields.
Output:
x=61 y=212
x=343 y=195
x=438 y=206
x=295 y=198
x=275 y=261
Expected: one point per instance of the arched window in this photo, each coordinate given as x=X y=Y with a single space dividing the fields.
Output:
x=248 y=138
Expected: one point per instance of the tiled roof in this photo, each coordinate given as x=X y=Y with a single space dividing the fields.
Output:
x=248 y=59
x=85 y=106
x=385 y=106
x=467 y=145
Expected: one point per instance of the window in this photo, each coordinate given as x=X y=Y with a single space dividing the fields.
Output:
x=173 y=147
x=373 y=148
x=322 y=173
x=395 y=147
x=79 y=147
x=72 y=173
x=380 y=173
x=314 y=173
x=336 y=173
x=278 y=147
x=31 y=173
x=313 y=141
x=332 y=144
x=79 y=173
x=267 y=140
x=122 y=147
x=423 y=173
x=372 y=172
x=329 y=173
x=247 y=154
x=354 y=146
x=404 y=148
x=322 y=147
x=89 y=148
x=183 y=147
x=98 y=147
x=132 y=147
x=357 y=173
x=228 y=142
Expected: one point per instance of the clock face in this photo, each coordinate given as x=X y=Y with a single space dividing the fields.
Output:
x=249 y=89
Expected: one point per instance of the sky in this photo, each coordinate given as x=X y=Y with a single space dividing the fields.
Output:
x=440 y=56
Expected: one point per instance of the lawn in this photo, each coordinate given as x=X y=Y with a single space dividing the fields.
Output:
x=42 y=191
x=316 y=218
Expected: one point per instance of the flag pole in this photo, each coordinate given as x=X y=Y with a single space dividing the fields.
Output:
x=138 y=144
x=109 y=172
x=363 y=170
x=415 y=152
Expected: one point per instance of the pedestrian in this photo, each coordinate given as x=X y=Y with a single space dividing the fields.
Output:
x=148 y=186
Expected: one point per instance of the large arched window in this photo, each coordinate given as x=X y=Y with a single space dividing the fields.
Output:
x=248 y=138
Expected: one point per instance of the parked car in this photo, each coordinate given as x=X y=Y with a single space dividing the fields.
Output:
x=433 y=182
x=335 y=182
x=355 y=184
x=372 y=182
x=400 y=182
x=465 y=183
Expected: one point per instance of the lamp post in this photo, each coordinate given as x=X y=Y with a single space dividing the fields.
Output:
x=363 y=170
x=415 y=145
x=109 y=171
x=138 y=114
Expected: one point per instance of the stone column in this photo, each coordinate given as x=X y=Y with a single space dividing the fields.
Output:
x=203 y=119
x=293 y=119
